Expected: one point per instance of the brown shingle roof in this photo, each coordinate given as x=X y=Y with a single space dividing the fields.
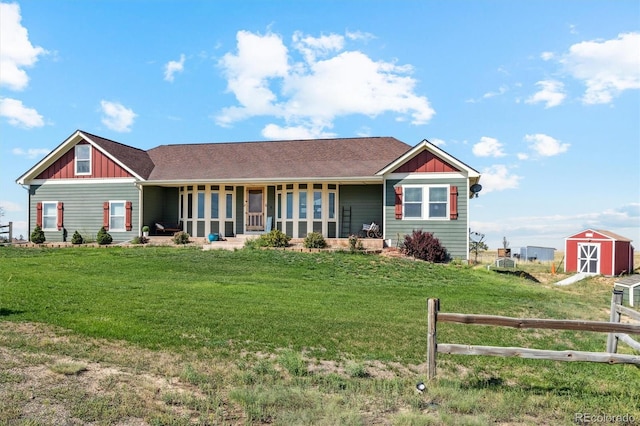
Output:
x=323 y=158
x=135 y=159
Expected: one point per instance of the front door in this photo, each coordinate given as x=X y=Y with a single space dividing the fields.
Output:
x=588 y=258
x=255 y=212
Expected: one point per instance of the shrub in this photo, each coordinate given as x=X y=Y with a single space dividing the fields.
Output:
x=140 y=240
x=37 y=236
x=354 y=243
x=275 y=238
x=181 y=238
x=314 y=240
x=103 y=237
x=424 y=246
x=77 y=238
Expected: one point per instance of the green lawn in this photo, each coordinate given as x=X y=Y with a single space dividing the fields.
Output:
x=348 y=309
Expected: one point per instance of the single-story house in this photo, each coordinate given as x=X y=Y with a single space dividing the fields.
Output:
x=598 y=252
x=331 y=186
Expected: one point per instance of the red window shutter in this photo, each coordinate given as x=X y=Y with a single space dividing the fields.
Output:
x=127 y=215
x=60 y=219
x=105 y=215
x=453 y=202
x=39 y=215
x=398 y=190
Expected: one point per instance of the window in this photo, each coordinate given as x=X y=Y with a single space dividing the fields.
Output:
x=83 y=159
x=413 y=202
x=289 y=205
x=215 y=200
x=229 y=205
x=302 y=197
x=116 y=216
x=49 y=216
x=332 y=205
x=317 y=204
x=426 y=202
x=438 y=202
x=200 y=205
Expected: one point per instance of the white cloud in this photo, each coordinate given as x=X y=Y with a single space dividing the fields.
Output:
x=437 y=142
x=16 y=51
x=19 y=115
x=116 y=116
x=488 y=147
x=31 y=153
x=327 y=82
x=498 y=178
x=547 y=56
x=551 y=93
x=10 y=206
x=545 y=145
x=312 y=47
x=275 y=132
x=173 y=67
x=607 y=68
x=522 y=156
x=501 y=91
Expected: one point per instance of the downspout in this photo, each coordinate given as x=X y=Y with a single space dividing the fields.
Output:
x=140 y=224
x=27 y=187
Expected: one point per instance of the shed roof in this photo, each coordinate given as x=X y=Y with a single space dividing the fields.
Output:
x=604 y=233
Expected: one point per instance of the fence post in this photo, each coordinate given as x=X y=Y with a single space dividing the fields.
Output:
x=433 y=306
x=612 y=339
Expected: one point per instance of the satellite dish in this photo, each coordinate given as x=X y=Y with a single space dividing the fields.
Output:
x=476 y=237
x=475 y=188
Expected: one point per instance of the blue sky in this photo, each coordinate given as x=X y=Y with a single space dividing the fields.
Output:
x=541 y=97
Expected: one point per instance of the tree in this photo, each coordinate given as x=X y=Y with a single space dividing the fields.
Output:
x=477 y=244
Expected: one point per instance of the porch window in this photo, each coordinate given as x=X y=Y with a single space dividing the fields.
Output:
x=215 y=203
x=83 y=159
x=332 y=205
x=279 y=205
x=289 y=205
x=317 y=204
x=302 y=197
x=49 y=216
x=200 y=205
x=229 y=205
x=116 y=216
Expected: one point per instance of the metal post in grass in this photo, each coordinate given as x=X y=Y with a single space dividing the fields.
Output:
x=612 y=339
x=433 y=306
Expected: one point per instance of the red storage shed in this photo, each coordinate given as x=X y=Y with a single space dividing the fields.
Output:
x=598 y=252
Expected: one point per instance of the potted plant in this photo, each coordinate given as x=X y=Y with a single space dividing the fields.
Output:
x=145 y=231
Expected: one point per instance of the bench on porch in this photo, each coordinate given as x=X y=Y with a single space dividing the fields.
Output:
x=167 y=228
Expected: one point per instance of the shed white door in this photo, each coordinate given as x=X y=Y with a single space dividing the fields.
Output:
x=589 y=258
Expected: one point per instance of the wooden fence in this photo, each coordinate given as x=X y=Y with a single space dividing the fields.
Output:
x=617 y=332
x=7 y=229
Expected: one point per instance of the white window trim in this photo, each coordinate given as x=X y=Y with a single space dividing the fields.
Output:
x=424 y=208
x=124 y=216
x=55 y=222
x=75 y=165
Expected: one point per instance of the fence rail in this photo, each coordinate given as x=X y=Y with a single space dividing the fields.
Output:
x=7 y=229
x=617 y=332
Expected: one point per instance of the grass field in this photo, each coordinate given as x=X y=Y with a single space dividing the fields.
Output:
x=163 y=335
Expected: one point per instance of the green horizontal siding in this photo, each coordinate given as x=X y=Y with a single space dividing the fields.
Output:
x=453 y=234
x=160 y=205
x=83 y=208
x=365 y=202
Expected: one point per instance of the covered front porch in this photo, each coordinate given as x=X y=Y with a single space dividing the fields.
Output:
x=334 y=209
